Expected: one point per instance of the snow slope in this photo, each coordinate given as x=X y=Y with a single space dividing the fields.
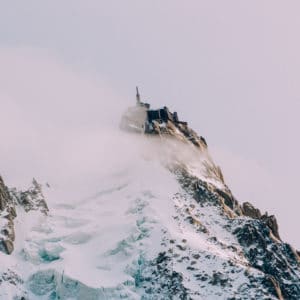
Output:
x=136 y=232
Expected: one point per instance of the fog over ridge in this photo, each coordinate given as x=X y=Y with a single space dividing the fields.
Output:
x=59 y=120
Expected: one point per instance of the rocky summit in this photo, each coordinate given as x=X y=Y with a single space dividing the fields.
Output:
x=164 y=227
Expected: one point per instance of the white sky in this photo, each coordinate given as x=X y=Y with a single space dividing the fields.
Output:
x=230 y=68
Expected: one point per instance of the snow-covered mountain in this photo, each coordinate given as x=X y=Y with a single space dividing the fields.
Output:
x=164 y=227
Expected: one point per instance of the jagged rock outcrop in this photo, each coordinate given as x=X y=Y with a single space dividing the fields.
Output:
x=250 y=211
x=31 y=199
x=257 y=234
x=271 y=222
x=7 y=215
x=181 y=131
x=277 y=260
x=10 y=199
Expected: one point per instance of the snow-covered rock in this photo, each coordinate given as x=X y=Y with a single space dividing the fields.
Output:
x=165 y=227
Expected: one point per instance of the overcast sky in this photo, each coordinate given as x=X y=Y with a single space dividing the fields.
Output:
x=230 y=68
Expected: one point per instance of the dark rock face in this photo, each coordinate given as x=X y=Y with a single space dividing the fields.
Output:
x=205 y=193
x=250 y=211
x=276 y=259
x=8 y=212
x=32 y=199
x=156 y=277
x=219 y=278
x=271 y=222
x=229 y=200
x=257 y=234
x=4 y=195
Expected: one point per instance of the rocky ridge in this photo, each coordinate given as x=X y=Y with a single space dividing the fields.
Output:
x=210 y=247
x=278 y=263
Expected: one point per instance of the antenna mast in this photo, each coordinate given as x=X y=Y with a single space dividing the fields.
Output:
x=138 y=97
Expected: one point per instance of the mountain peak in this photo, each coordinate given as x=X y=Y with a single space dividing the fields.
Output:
x=141 y=118
x=165 y=226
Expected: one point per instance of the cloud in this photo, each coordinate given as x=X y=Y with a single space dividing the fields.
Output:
x=51 y=114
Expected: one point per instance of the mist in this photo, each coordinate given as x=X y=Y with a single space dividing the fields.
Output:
x=61 y=126
x=56 y=122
